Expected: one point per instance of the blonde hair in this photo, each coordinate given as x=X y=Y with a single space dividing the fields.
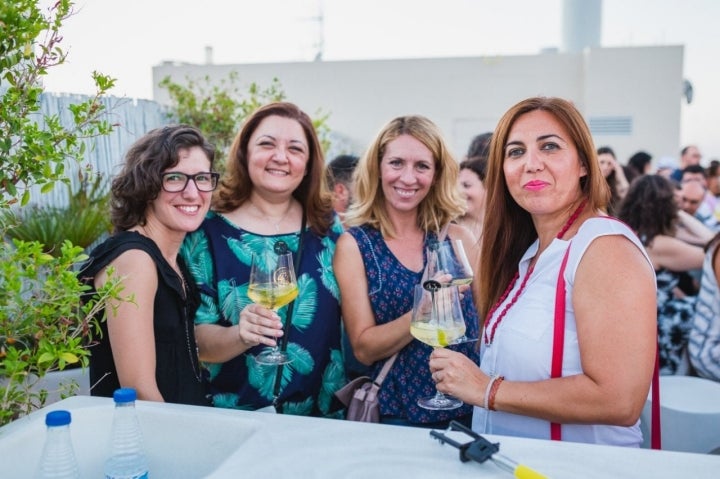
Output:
x=443 y=202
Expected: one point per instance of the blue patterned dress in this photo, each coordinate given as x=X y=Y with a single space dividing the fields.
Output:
x=219 y=256
x=390 y=285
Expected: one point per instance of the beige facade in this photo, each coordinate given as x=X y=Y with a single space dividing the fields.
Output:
x=630 y=96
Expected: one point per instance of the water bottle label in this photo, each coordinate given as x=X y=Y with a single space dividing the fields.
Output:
x=144 y=475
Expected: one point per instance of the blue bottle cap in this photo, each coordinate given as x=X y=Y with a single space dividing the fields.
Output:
x=125 y=395
x=57 y=418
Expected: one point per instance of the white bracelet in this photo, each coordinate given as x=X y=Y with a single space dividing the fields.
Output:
x=487 y=390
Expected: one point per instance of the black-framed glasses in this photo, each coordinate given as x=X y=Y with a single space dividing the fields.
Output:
x=175 y=182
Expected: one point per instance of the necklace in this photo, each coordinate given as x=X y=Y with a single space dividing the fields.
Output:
x=267 y=217
x=194 y=358
x=489 y=338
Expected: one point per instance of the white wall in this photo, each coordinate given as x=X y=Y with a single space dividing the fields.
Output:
x=466 y=96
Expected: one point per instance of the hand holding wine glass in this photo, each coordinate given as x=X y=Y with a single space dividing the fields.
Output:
x=437 y=320
x=273 y=285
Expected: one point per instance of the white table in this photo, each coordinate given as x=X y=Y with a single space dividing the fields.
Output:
x=187 y=441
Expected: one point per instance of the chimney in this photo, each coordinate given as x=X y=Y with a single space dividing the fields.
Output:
x=208 y=55
x=581 y=24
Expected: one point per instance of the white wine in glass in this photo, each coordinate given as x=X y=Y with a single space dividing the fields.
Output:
x=271 y=296
x=272 y=285
x=437 y=320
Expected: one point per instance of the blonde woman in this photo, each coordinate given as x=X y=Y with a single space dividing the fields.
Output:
x=406 y=194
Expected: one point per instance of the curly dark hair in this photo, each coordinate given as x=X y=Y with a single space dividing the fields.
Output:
x=649 y=207
x=140 y=180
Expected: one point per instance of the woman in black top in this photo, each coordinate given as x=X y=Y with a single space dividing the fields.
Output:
x=162 y=193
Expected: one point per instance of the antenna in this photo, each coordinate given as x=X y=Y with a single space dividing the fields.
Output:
x=320 y=43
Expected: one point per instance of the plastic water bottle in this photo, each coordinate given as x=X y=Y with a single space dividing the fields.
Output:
x=127 y=456
x=58 y=458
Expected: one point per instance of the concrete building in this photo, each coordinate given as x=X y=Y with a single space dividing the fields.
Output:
x=631 y=97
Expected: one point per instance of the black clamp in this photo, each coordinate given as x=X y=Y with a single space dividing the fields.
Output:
x=478 y=450
x=281 y=247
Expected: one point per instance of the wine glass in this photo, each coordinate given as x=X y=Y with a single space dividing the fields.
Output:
x=273 y=285
x=447 y=260
x=437 y=320
x=447 y=263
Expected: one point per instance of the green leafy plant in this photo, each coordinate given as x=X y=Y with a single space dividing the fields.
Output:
x=44 y=323
x=32 y=152
x=219 y=109
x=83 y=221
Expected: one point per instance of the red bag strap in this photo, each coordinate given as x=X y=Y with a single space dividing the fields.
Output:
x=655 y=428
x=559 y=336
x=557 y=357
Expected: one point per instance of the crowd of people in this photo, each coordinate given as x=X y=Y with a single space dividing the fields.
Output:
x=564 y=241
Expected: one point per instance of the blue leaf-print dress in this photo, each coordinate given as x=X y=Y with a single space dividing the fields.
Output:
x=219 y=256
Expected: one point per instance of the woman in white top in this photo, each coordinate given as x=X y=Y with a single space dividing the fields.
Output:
x=546 y=194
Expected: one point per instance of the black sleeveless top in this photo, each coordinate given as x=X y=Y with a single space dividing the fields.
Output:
x=177 y=368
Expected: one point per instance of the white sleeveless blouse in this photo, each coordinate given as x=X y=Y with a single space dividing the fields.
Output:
x=522 y=346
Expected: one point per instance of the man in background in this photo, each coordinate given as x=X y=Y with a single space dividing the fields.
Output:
x=339 y=175
x=340 y=181
x=690 y=155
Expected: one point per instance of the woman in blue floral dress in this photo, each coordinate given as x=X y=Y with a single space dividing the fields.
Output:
x=272 y=191
x=406 y=194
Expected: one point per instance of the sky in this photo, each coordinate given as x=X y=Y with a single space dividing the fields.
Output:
x=125 y=39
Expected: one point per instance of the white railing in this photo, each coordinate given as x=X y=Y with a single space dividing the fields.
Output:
x=105 y=153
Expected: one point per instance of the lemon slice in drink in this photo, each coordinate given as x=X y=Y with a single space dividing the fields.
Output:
x=442 y=338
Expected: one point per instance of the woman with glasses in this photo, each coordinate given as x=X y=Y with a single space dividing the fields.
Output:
x=148 y=341
x=273 y=192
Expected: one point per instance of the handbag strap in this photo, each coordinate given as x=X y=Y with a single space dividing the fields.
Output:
x=385 y=370
x=557 y=358
x=288 y=318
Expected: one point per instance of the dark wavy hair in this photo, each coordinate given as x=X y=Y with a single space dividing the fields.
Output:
x=649 y=207
x=477 y=164
x=611 y=181
x=140 y=180
x=637 y=164
x=480 y=145
x=312 y=192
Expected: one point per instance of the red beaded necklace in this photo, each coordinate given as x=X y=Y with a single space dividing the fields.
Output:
x=489 y=339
